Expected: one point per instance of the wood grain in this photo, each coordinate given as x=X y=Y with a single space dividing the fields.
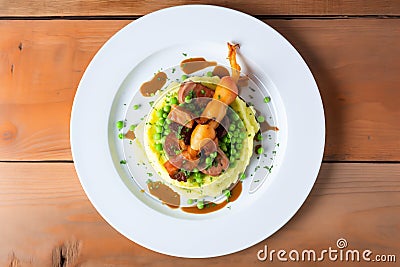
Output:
x=45 y=213
x=356 y=63
x=254 y=7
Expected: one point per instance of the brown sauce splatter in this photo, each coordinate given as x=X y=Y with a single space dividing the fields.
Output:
x=264 y=126
x=164 y=193
x=243 y=81
x=130 y=135
x=211 y=206
x=220 y=71
x=191 y=65
x=151 y=87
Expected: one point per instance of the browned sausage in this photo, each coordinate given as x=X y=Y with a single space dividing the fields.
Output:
x=198 y=89
x=222 y=164
x=184 y=161
x=182 y=116
x=171 y=145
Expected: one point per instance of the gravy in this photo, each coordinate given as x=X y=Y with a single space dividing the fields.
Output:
x=151 y=87
x=191 y=65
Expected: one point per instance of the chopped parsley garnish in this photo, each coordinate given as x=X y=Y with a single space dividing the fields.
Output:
x=267 y=99
x=184 y=54
x=122 y=161
x=136 y=107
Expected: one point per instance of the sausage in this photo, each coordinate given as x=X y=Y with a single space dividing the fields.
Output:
x=222 y=164
x=198 y=89
x=171 y=145
x=182 y=116
x=209 y=147
x=184 y=161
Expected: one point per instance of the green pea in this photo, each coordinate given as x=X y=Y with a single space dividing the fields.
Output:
x=159 y=147
x=159 y=113
x=160 y=122
x=136 y=107
x=236 y=134
x=188 y=99
x=167 y=131
x=242 y=135
x=225 y=139
x=190 y=201
x=120 y=125
x=157 y=136
x=121 y=136
x=233 y=151
x=260 y=150
x=195 y=170
x=235 y=116
x=223 y=147
x=209 y=74
x=164 y=115
x=167 y=108
x=240 y=125
x=239 y=146
x=242 y=176
x=197 y=175
x=199 y=180
x=168 y=121
x=232 y=127
x=209 y=160
x=184 y=77
x=163 y=139
x=267 y=99
x=200 y=204
x=260 y=119
x=133 y=127
x=213 y=155
x=159 y=129
x=174 y=100
x=233 y=140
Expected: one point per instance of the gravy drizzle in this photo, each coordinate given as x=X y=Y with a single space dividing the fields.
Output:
x=164 y=193
x=130 y=135
x=194 y=64
x=151 y=87
x=264 y=126
x=211 y=206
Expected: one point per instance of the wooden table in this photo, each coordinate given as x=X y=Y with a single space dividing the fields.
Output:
x=353 y=50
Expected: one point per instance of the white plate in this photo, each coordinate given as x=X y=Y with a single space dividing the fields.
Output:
x=157 y=40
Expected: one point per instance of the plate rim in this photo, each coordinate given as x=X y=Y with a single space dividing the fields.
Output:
x=104 y=209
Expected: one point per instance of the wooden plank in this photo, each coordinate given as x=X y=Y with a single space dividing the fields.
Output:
x=254 y=7
x=41 y=65
x=355 y=62
x=356 y=66
x=45 y=213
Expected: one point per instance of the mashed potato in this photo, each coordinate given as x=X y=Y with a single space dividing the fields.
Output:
x=211 y=186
